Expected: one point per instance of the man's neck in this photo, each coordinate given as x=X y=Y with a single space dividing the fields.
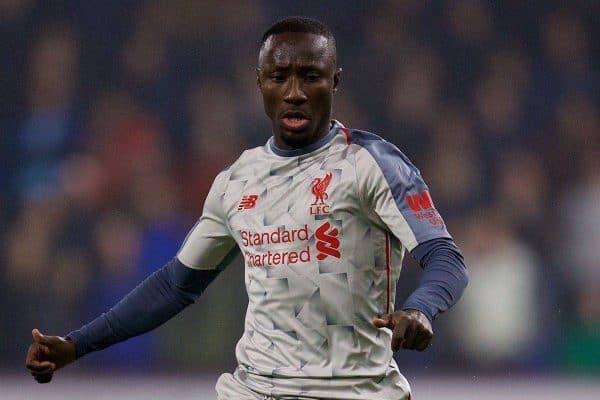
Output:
x=284 y=145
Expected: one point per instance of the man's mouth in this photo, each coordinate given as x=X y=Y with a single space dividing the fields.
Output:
x=294 y=121
x=295 y=124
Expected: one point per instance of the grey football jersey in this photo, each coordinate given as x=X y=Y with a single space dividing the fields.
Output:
x=323 y=231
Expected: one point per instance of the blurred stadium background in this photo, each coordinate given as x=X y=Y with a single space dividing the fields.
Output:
x=116 y=115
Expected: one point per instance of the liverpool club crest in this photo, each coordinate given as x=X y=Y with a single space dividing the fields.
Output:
x=319 y=190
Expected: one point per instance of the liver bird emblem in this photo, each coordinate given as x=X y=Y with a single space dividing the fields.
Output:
x=319 y=189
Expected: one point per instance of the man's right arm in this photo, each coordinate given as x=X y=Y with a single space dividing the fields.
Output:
x=157 y=299
x=206 y=251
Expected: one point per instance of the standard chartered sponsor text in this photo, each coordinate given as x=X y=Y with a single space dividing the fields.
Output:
x=280 y=235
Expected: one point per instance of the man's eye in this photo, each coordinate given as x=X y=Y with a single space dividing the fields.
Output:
x=277 y=78
x=313 y=77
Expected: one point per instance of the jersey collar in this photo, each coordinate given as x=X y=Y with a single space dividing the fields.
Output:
x=335 y=125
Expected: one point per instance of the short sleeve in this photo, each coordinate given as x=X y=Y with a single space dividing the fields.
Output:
x=393 y=191
x=209 y=242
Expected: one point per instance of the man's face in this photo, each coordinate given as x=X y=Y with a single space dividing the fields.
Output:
x=297 y=77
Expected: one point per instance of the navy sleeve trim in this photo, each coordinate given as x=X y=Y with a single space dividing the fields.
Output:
x=444 y=277
x=157 y=299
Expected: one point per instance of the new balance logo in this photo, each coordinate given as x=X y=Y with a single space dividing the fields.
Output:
x=420 y=201
x=248 y=201
x=327 y=242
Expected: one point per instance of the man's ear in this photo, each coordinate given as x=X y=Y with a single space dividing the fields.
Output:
x=258 y=78
x=336 y=79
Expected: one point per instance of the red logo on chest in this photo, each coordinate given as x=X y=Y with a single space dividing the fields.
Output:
x=248 y=201
x=319 y=190
x=327 y=242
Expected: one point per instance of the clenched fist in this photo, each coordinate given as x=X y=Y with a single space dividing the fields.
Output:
x=47 y=354
x=410 y=329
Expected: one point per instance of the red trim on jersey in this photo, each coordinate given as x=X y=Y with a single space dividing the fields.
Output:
x=348 y=137
x=387 y=270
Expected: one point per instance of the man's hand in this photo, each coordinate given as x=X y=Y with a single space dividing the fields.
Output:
x=411 y=329
x=47 y=354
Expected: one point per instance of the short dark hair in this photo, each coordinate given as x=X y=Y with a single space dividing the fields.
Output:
x=298 y=24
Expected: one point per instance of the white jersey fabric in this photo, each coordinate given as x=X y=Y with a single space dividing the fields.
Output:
x=323 y=231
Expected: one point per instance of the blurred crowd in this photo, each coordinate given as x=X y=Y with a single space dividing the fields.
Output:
x=115 y=116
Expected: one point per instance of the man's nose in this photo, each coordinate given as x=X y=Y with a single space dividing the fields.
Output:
x=294 y=93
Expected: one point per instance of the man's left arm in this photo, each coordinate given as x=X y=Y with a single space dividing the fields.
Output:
x=444 y=277
x=392 y=188
x=443 y=281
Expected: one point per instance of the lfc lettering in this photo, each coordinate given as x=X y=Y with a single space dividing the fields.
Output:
x=319 y=209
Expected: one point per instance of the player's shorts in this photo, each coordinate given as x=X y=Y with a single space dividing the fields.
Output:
x=229 y=388
x=245 y=386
